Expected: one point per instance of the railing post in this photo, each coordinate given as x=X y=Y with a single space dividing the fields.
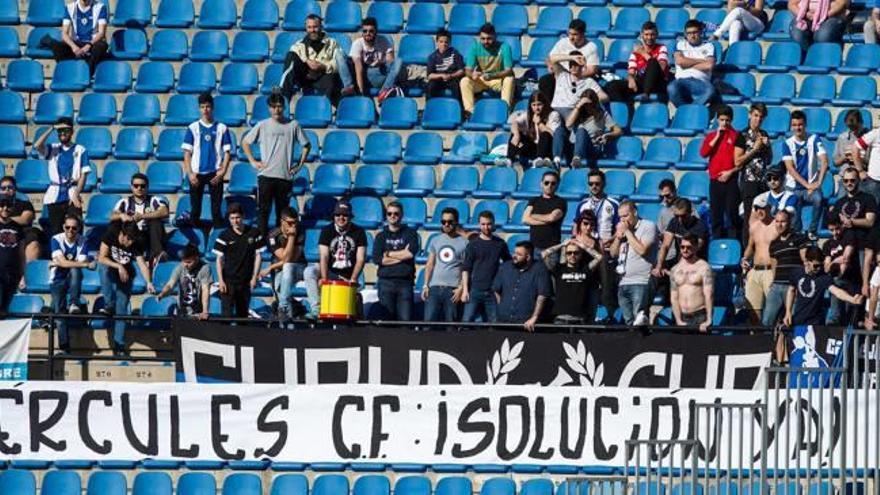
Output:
x=51 y=347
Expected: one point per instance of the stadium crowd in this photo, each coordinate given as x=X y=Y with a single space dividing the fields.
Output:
x=612 y=256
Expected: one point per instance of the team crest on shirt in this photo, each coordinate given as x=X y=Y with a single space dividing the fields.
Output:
x=207 y=137
x=802 y=152
x=608 y=209
x=446 y=254
x=84 y=21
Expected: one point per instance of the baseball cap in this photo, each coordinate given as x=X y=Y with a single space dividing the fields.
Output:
x=343 y=208
x=760 y=202
x=775 y=171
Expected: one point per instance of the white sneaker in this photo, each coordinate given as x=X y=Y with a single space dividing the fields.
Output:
x=641 y=319
x=557 y=163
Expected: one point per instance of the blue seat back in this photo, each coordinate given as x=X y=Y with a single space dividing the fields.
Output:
x=866 y=56
x=259 y=14
x=342 y=15
x=209 y=46
x=651 y=115
x=169 y=44
x=242 y=484
x=598 y=19
x=384 y=146
x=356 y=111
x=13 y=108
x=250 y=46
x=388 y=14
x=785 y=53
x=313 y=111
x=106 y=483
x=498 y=486
x=330 y=484
x=454 y=485
x=135 y=143
x=500 y=179
x=412 y=485
x=691 y=116
x=231 y=110
x=663 y=149
x=295 y=13
x=670 y=21
x=26 y=304
x=217 y=14
x=821 y=87
x=441 y=113
x=372 y=178
x=724 y=253
x=621 y=183
x=823 y=54
x=510 y=19
x=649 y=181
x=415 y=177
x=818 y=120
x=398 y=112
x=17 y=481
x=554 y=19
x=140 y=109
x=45 y=13
x=128 y=44
x=165 y=177
x=25 y=75
x=743 y=54
x=466 y=19
x=151 y=483
x=290 y=484
x=461 y=179
x=778 y=86
x=197 y=77
x=138 y=13
x=499 y=209
x=117 y=176
x=70 y=75
x=630 y=19
x=175 y=14
x=491 y=111
x=857 y=88
x=742 y=82
x=693 y=185
x=414 y=48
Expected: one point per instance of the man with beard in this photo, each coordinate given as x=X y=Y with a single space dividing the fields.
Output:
x=194 y=278
x=11 y=255
x=806 y=292
x=576 y=281
x=342 y=247
x=443 y=288
x=148 y=213
x=482 y=257
x=756 y=263
x=683 y=223
x=69 y=258
x=23 y=214
x=605 y=209
x=857 y=210
x=691 y=286
x=394 y=252
x=522 y=288
x=842 y=263
x=287 y=244
x=318 y=63
x=786 y=257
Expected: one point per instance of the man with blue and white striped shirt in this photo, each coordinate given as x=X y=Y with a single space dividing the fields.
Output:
x=207 y=148
x=806 y=162
x=69 y=257
x=83 y=33
x=68 y=167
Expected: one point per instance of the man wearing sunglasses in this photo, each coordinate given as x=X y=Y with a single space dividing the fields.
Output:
x=148 y=213
x=12 y=257
x=68 y=167
x=605 y=209
x=804 y=301
x=857 y=210
x=394 y=252
x=287 y=243
x=544 y=213
x=69 y=258
x=375 y=64
x=342 y=247
x=683 y=223
x=193 y=278
x=442 y=289
x=23 y=214
x=756 y=263
x=576 y=281
x=691 y=286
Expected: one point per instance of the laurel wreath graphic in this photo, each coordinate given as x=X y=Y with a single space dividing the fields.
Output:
x=582 y=364
x=503 y=362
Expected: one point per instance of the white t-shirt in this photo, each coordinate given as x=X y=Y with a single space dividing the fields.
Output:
x=568 y=91
x=372 y=56
x=871 y=140
x=520 y=120
x=589 y=50
x=703 y=51
x=636 y=267
x=875 y=282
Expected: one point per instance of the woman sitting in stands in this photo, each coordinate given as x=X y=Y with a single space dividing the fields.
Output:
x=592 y=128
x=742 y=14
x=531 y=133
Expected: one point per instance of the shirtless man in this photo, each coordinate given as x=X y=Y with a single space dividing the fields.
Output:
x=756 y=258
x=691 y=286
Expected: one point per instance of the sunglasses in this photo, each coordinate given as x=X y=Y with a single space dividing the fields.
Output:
x=447 y=222
x=71 y=227
x=686 y=247
x=594 y=184
x=290 y=222
x=7 y=188
x=368 y=31
x=139 y=185
x=666 y=196
x=65 y=131
x=550 y=183
x=393 y=214
x=691 y=33
x=849 y=181
x=572 y=253
x=336 y=215
x=586 y=222
x=772 y=178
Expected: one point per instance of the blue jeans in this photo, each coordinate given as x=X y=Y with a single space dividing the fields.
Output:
x=584 y=148
x=343 y=69
x=439 y=306
x=291 y=273
x=689 y=90
x=116 y=295
x=311 y=274
x=395 y=298
x=631 y=298
x=830 y=31
x=61 y=290
x=814 y=200
x=561 y=147
x=482 y=302
x=773 y=304
x=384 y=76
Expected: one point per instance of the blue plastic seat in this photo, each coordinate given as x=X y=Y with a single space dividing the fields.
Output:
x=259 y=15
x=782 y=56
x=670 y=22
x=175 y=14
x=31 y=176
x=818 y=120
x=271 y=78
x=37 y=280
x=26 y=304
x=342 y=16
x=59 y=482
x=489 y=114
x=510 y=20
x=33 y=49
x=598 y=19
x=861 y=59
x=538 y=52
x=357 y=112
x=209 y=46
x=821 y=58
x=52 y=106
x=624 y=152
x=628 y=22
x=744 y=85
x=388 y=14
x=330 y=484
x=694 y=186
x=242 y=179
x=155 y=77
x=106 y=483
x=98 y=141
x=140 y=109
x=441 y=113
x=11 y=142
x=132 y=13
x=168 y=147
x=743 y=56
x=530 y=184
x=382 y=147
x=724 y=254
x=620 y=183
x=498 y=486
x=467 y=148
x=9 y=42
x=458 y=182
x=128 y=44
x=647 y=190
x=295 y=13
x=398 y=113
x=689 y=120
x=415 y=181
x=650 y=118
x=169 y=44
x=313 y=151
x=777 y=122
x=17 y=481
x=134 y=144
x=779 y=27
x=775 y=89
x=816 y=90
x=242 y=484
x=341 y=147
x=25 y=76
x=165 y=177
x=466 y=18
x=314 y=111
x=239 y=79
x=217 y=14
x=370 y=212
x=423 y=148
x=692 y=159
x=454 y=485
x=250 y=46
x=117 y=176
x=196 y=484
x=373 y=180
x=497 y=183
x=45 y=13
x=13 y=108
x=231 y=110
x=412 y=485
x=415 y=49
x=151 y=483
x=331 y=179
x=196 y=77
x=573 y=184
x=9 y=13
x=289 y=484
x=182 y=110
x=856 y=91
x=552 y=21
x=70 y=75
x=459 y=205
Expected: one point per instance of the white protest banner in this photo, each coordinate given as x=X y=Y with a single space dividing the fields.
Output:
x=376 y=423
x=14 y=340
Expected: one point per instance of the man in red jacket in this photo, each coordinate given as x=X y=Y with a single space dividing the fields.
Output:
x=723 y=189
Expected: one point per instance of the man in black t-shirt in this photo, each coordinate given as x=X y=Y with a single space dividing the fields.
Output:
x=841 y=261
x=287 y=244
x=118 y=254
x=238 y=263
x=857 y=210
x=12 y=257
x=483 y=256
x=786 y=257
x=576 y=281
x=544 y=214
x=394 y=252
x=806 y=292
x=23 y=214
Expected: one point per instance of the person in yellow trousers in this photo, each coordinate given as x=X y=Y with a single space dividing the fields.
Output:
x=488 y=65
